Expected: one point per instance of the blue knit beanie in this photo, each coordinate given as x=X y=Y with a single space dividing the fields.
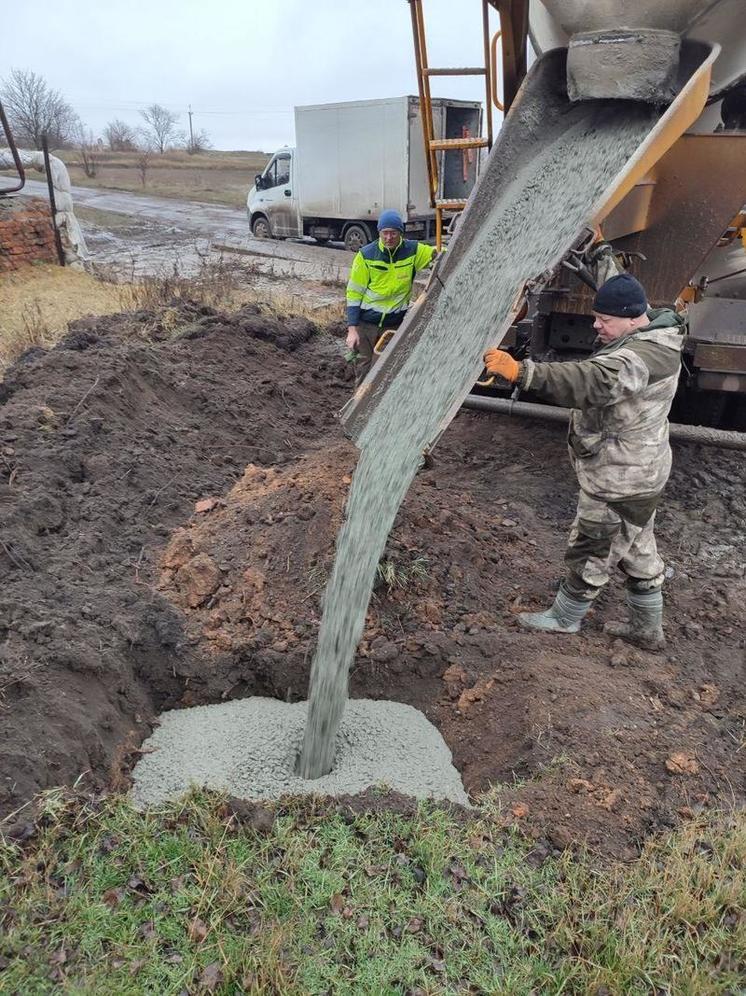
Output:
x=621 y=296
x=390 y=219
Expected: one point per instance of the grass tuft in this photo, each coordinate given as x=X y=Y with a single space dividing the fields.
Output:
x=393 y=574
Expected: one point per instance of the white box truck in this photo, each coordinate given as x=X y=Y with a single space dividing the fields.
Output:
x=352 y=160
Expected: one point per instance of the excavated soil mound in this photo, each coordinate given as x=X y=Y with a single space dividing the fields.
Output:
x=169 y=507
x=106 y=442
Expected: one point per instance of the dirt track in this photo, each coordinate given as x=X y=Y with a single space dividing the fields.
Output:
x=167 y=232
x=192 y=216
x=122 y=596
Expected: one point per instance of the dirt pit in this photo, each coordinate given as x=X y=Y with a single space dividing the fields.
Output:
x=169 y=498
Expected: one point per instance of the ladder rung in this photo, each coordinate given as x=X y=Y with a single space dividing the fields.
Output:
x=463 y=71
x=450 y=204
x=458 y=143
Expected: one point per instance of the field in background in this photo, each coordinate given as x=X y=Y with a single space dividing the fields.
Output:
x=215 y=177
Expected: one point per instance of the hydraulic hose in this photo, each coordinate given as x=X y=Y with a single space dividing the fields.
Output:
x=701 y=434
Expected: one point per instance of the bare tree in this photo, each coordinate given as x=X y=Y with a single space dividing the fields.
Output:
x=89 y=152
x=34 y=108
x=120 y=137
x=143 y=164
x=199 y=142
x=162 y=125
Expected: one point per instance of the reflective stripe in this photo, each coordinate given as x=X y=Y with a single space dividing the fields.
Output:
x=352 y=286
x=371 y=295
x=386 y=311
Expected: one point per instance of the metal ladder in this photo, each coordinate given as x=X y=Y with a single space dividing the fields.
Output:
x=433 y=145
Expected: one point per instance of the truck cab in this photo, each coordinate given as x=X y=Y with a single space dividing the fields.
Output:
x=272 y=204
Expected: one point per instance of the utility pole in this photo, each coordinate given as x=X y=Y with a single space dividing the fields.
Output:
x=191 y=133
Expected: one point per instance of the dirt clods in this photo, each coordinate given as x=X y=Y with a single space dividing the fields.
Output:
x=171 y=485
x=106 y=442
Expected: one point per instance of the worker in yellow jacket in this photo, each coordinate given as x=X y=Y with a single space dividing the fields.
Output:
x=380 y=287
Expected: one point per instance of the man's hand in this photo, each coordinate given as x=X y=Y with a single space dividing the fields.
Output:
x=497 y=361
x=353 y=337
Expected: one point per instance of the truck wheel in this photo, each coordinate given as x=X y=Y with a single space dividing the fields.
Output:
x=356 y=236
x=260 y=228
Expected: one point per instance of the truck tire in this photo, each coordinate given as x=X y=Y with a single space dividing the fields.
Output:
x=356 y=236
x=260 y=228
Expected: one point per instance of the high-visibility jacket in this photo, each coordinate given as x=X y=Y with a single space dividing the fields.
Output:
x=380 y=283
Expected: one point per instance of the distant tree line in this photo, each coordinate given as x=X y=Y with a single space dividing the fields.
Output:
x=35 y=109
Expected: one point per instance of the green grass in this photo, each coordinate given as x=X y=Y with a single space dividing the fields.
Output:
x=106 y=900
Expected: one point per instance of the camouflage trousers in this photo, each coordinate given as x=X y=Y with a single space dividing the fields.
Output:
x=609 y=534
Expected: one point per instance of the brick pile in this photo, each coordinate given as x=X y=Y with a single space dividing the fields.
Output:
x=26 y=233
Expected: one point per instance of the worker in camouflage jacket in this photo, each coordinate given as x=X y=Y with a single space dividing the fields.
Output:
x=380 y=287
x=618 y=440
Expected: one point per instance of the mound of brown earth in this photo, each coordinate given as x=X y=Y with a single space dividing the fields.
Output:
x=106 y=441
x=169 y=516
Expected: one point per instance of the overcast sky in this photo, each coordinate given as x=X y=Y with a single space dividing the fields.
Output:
x=242 y=64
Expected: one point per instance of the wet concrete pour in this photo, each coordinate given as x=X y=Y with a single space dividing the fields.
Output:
x=250 y=747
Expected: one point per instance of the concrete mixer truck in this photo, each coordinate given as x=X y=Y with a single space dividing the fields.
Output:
x=681 y=224
x=673 y=212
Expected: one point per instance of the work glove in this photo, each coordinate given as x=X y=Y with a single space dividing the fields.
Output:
x=498 y=362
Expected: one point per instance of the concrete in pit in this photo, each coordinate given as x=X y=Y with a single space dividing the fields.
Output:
x=249 y=748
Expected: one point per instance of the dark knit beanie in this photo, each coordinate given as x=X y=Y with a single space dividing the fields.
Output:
x=621 y=296
x=390 y=219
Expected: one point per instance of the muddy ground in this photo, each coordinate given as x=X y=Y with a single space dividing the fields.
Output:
x=169 y=499
x=132 y=235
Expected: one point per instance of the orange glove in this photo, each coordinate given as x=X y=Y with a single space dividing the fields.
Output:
x=497 y=361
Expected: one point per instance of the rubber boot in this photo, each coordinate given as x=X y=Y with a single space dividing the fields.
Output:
x=645 y=626
x=564 y=616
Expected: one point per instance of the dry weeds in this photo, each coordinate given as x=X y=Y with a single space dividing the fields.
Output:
x=37 y=304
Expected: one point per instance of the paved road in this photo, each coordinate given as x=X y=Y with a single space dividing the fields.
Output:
x=224 y=227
